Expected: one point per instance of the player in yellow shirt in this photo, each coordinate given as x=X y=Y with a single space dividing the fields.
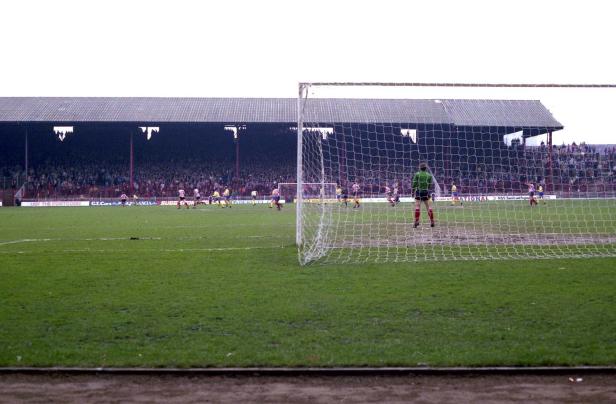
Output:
x=338 y=194
x=356 y=189
x=216 y=196
x=276 y=199
x=540 y=190
x=455 y=198
x=227 y=198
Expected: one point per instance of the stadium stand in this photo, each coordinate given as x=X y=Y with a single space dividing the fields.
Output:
x=194 y=149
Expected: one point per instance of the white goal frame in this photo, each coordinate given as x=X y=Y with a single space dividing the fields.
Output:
x=320 y=220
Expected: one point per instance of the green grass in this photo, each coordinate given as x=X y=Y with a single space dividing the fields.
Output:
x=214 y=287
x=479 y=230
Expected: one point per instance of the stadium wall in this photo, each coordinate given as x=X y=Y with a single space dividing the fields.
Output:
x=84 y=203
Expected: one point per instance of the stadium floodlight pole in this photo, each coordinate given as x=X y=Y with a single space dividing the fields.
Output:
x=302 y=91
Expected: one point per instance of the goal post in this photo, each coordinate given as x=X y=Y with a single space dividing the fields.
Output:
x=510 y=174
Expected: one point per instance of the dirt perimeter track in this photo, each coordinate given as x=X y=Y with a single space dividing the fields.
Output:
x=562 y=385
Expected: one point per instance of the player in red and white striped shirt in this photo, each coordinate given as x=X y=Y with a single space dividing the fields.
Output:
x=396 y=196
x=531 y=194
x=389 y=195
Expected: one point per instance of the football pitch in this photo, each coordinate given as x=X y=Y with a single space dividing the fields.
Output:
x=162 y=287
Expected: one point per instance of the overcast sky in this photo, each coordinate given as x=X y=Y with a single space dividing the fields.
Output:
x=264 y=48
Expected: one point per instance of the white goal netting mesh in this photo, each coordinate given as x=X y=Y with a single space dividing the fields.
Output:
x=487 y=148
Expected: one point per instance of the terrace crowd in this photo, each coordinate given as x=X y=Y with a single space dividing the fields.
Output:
x=574 y=168
x=155 y=179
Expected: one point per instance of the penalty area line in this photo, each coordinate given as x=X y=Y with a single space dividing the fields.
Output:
x=40 y=240
x=25 y=240
x=90 y=250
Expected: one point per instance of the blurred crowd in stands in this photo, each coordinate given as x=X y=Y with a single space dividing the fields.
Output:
x=568 y=168
x=573 y=168
x=154 y=179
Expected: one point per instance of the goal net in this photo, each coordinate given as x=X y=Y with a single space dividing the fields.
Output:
x=515 y=171
x=313 y=192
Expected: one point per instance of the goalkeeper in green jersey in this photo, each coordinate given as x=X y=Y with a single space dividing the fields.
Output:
x=422 y=181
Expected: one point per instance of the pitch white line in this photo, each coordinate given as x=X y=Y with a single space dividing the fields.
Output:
x=37 y=240
x=25 y=240
x=88 y=250
x=34 y=240
x=220 y=249
x=209 y=226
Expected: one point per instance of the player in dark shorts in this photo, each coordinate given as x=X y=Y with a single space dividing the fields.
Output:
x=422 y=181
x=423 y=195
x=531 y=194
x=345 y=197
x=123 y=199
x=276 y=199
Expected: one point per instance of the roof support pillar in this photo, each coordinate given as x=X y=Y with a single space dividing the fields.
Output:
x=131 y=163
x=343 y=180
x=549 y=179
x=26 y=168
x=237 y=157
x=235 y=130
